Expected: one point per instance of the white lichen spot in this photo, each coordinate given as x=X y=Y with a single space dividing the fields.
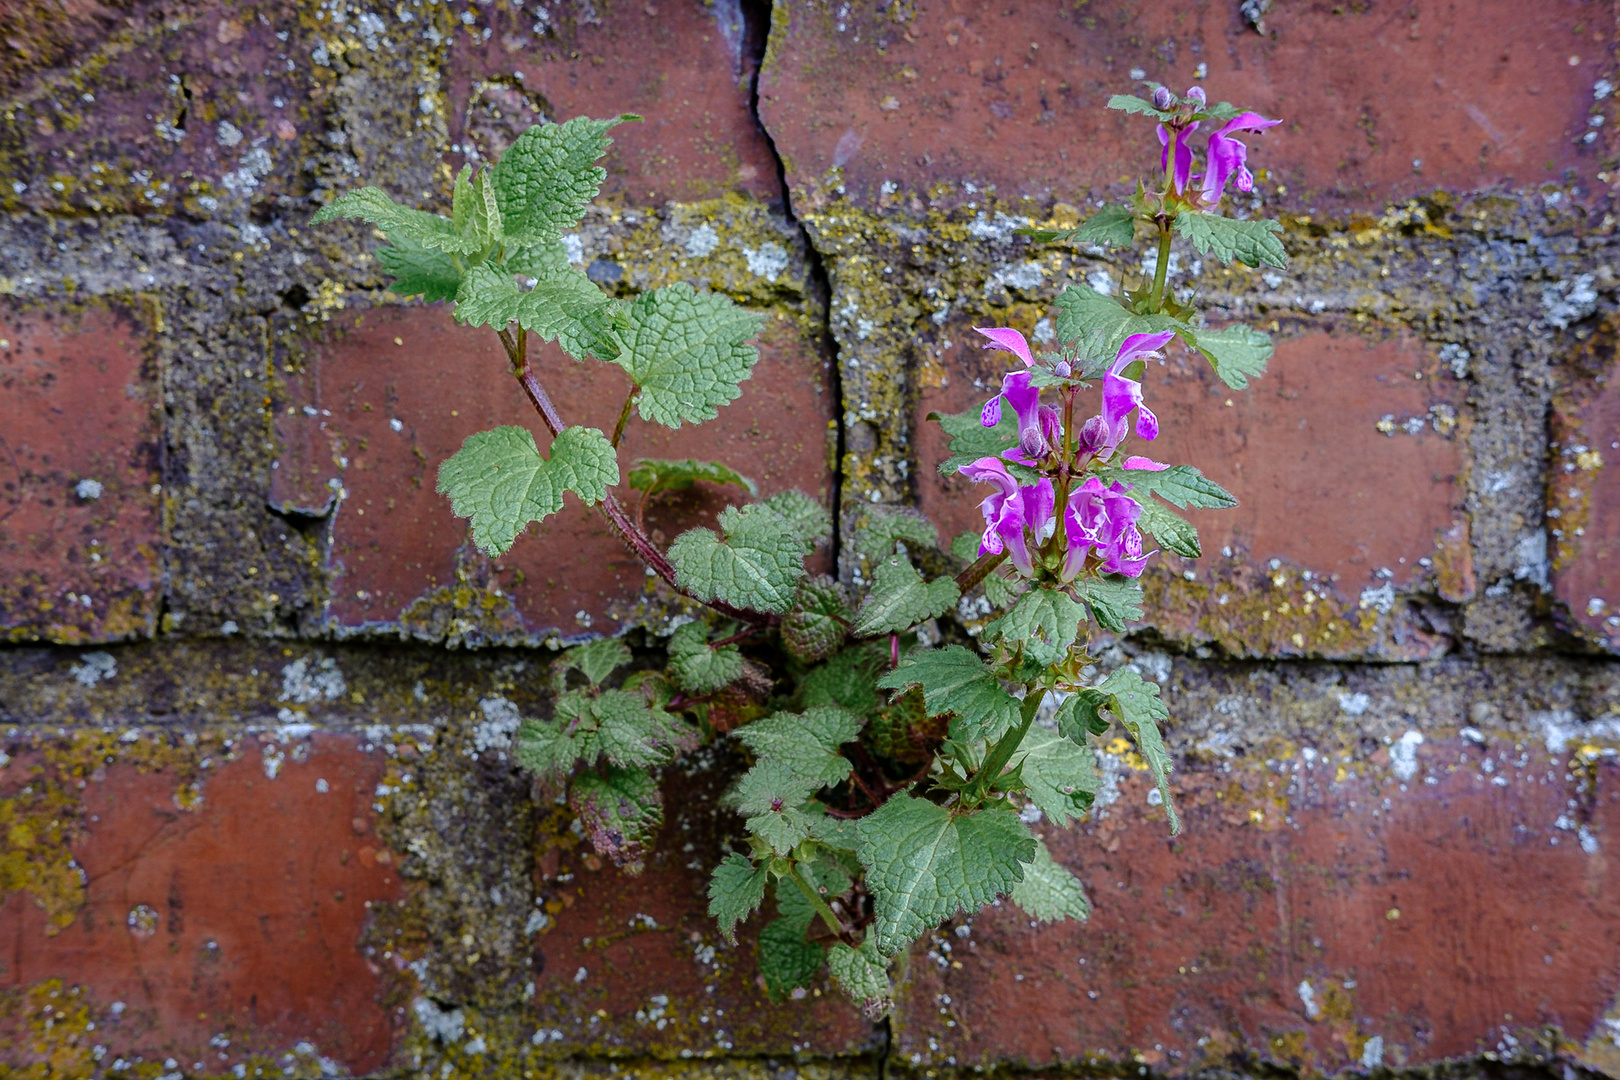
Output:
x=94 y=668
x=1027 y=275
x=1530 y=559
x=574 y=247
x=1569 y=301
x=581 y=975
x=1454 y=356
x=302 y=682
x=501 y=719
x=1043 y=332
x=88 y=489
x=228 y=133
x=766 y=261
x=1307 y=997
x=322 y=786
x=445 y=1025
x=1372 y=1052
x=1403 y=760
x=701 y=242
x=1101 y=282
x=142 y=921
x=1382 y=598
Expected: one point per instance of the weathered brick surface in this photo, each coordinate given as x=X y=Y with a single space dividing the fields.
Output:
x=165 y=341
x=80 y=457
x=1381 y=102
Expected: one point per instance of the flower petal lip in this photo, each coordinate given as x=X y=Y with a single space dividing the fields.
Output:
x=1147 y=464
x=1007 y=339
x=1228 y=156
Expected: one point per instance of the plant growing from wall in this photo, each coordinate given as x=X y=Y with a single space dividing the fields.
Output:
x=893 y=774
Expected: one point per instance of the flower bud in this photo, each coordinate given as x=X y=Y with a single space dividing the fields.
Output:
x=1163 y=98
x=1061 y=369
x=1196 y=96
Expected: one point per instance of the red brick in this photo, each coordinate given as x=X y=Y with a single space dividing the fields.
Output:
x=99 y=133
x=710 y=997
x=1320 y=488
x=1584 y=493
x=79 y=402
x=1443 y=921
x=395 y=540
x=251 y=932
x=958 y=91
x=683 y=66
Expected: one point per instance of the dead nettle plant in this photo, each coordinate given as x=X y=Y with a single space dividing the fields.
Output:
x=894 y=778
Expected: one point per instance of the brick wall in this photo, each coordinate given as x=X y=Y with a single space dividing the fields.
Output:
x=259 y=819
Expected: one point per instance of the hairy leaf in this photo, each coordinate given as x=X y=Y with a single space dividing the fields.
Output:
x=1114 y=600
x=1046 y=620
x=773 y=785
x=474 y=210
x=621 y=812
x=924 y=863
x=686 y=351
x=736 y=890
x=1099 y=325
x=1081 y=714
x=1112 y=226
x=1180 y=486
x=699 y=667
x=1059 y=777
x=886 y=526
x=500 y=481
x=815 y=628
x=783 y=828
x=971 y=440
x=653 y=475
x=807 y=742
x=427 y=230
x=786 y=960
x=1172 y=531
x=846 y=680
x=900 y=599
x=1136 y=702
x=864 y=975
x=1238 y=353
x=757 y=565
x=809 y=517
x=549 y=175
x=1049 y=892
x=596 y=660
x=955 y=681
x=1250 y=242
x=1130 y=103
x=563 y=306
x=419 y=271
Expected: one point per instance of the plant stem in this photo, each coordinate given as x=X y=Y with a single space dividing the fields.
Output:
x=624 y=417
x=638 y=541
x=1156 y=298
x=818 y=903
x=980 y=570
x=1004 y=749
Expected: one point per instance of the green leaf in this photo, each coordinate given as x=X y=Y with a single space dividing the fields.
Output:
x=846 y=680
x=816 y=626
x=971 y=440
x=1180 y=485
x=864 y=975
x=886 y=526
x=621 y=813
x=700 y=668
x=809 y=517
x=954 y=681
x=1049 y=892
x=537 y=260
x=1080 y=714
x=474 y=210
x=924 y=863
x=806 y=742
x=653 y=475
x=758 y=565
x=564 y=306
x=783 y=828
x=1046 y=620
x=1114 y=600
x=736 y=890
x=500 y=481
x=1112 y=226
x=1237 y=352
x=686 y=351
x=1250 y=242
x=619 y=725
x=549 y=175
x=419 y=271
x=596 y=660
x=900 y=599
x=1172 y=531
x=1136 y=702
x=1099 y=325
x=372 y=204
x=1130 y=103
x=774 y=785
x=1059 y=776
x=786 y=960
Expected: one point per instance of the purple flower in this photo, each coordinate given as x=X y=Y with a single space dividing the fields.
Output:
x=1184 y=155
x=1229 y=156
x=1196 y=96
x=1100 y=435
x=1007 y=339
x=1037 y=424
x=1102 y=520
x=1146 y=464
x=1009 y=510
